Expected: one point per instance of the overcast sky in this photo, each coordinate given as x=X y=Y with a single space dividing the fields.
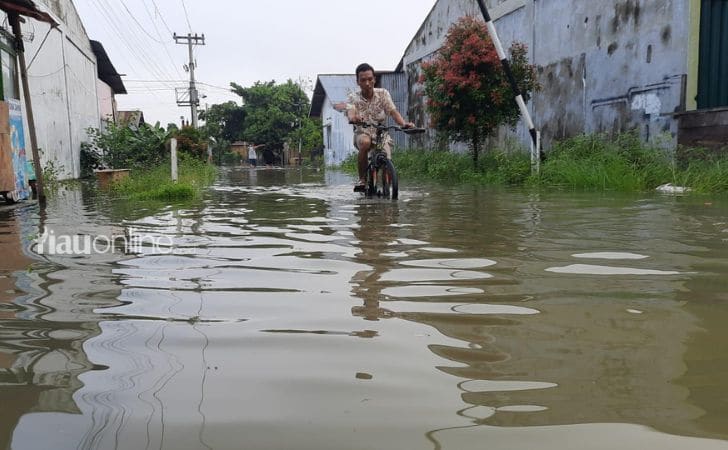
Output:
x=245 y=41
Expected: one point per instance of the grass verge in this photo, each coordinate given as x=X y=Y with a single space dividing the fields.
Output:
x=156 y=183
x=586 y=162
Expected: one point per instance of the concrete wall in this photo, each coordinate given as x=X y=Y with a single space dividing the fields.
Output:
x=62 y=78
x=604 y=66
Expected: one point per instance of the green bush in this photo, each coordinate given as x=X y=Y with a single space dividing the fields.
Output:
x=124 y=147
x=192 y=142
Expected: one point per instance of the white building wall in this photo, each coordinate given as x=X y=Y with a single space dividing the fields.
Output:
x=62 y=77
x=83 y=104
x=106 y=101
x=340 y=144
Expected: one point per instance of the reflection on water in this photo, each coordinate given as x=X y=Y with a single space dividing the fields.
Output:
x=295 y=314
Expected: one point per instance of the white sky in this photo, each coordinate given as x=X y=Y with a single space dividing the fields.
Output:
x=245 y=41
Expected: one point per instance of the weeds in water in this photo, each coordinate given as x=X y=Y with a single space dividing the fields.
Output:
x=622 y=163
x=588 y=162
x=501 y=167
x=157 y=184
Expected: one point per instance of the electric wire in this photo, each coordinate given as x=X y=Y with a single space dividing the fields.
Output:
x=156 y=8
x=131 y=65
x=132 y=41
x=165 y=44
x=142 y=46
x=140 y=25
x=187 y=17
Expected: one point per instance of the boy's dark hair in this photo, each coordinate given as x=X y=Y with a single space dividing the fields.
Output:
x=363 y=67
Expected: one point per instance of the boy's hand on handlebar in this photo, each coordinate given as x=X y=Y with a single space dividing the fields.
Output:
x=408 y=125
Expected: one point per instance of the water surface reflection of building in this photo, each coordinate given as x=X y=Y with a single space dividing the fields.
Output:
x=595 y=349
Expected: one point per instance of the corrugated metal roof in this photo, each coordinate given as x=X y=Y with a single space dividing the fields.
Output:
x=26 y=8
x=336 y=87
x=105 y=69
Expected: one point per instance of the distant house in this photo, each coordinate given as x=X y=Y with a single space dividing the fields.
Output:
x=658 y=67
x=108 y=84
x=130 y=118
x=338 y=135
x=332 y=90
x=240 y=148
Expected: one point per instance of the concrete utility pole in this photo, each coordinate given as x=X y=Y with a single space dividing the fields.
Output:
x=535 y=134
x=194 y=100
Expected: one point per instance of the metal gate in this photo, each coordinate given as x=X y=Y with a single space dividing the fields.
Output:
x=713 y=65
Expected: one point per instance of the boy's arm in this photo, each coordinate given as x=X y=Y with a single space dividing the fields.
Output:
x=400 y=121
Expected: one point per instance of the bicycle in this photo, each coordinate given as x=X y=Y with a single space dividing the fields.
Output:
x=381 y=175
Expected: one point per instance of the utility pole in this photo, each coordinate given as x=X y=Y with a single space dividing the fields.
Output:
x=535 y=134
x=194 y=100
x=14 y=20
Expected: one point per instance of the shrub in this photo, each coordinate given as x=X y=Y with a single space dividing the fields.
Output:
x=124 y=147
x=468 y=93
x=192 y=142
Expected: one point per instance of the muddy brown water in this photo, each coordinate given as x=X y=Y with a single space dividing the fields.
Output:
x=284 y=311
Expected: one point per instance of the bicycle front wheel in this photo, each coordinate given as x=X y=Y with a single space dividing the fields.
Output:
x=390 y=182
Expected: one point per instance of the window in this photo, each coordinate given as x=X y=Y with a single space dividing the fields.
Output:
x=8 y=78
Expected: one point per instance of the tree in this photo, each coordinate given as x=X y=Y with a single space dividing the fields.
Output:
x=468 y=93
x=309 y=133
x=224 y=121
x=272 y=112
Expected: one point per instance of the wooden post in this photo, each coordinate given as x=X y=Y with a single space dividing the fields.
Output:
x=14 y=20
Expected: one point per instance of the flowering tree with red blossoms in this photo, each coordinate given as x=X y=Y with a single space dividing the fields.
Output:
x=468 y=93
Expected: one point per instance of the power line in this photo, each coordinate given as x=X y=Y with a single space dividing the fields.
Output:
x=187 y=17
x=132 y=42
x=156 y=8
x=214 y=86
x=142 y=47
x=164 y=42
x=157 y=81
x=140 y=25
x=103 y=16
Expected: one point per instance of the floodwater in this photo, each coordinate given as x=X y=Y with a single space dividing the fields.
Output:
x=283 y=311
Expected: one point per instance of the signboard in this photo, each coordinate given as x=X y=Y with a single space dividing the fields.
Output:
x=17 y=145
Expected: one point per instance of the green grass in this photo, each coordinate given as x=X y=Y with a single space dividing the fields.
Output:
x=502 y=167
x=622 y=163
x=156 y=183
x=586 y=162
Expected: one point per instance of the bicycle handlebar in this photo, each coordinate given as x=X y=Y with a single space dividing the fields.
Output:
x=380 y=127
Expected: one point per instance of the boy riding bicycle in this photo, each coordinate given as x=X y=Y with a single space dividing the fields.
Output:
x=370 y=105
